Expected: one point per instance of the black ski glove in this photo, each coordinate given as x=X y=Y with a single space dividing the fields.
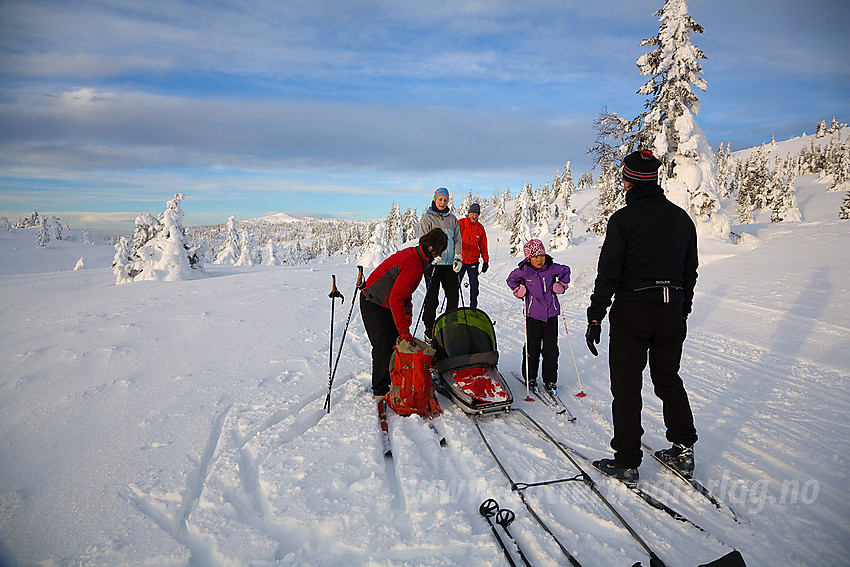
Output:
x=593 y=335
x=484 y=267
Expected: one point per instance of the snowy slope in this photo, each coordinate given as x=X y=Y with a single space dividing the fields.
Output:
x=181 y=423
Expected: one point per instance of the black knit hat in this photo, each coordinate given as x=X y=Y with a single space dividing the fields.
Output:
x=474 y=208
x=641 y=167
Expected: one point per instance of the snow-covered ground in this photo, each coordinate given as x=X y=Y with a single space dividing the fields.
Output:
x=181 y=423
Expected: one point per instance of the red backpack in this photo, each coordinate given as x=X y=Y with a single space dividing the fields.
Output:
x=412 y=390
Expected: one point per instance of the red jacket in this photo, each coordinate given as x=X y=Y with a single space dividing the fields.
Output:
x=474 y=241
x=392 y=283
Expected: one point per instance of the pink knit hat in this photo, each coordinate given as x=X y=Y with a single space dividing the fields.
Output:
x=533 y=248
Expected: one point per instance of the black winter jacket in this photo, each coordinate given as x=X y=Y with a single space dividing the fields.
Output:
x=649 y=254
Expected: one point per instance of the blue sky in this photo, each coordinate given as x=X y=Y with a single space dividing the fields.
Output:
x=108 y=108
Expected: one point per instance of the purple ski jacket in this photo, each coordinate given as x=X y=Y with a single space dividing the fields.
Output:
x=541 y=303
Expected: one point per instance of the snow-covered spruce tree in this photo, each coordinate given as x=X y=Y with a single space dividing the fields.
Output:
x=123 y=263
x=725 y=171
x=409 y=224
x=168 y=256
x=838 y=164
x=55 y=228
x=42 y=235
x=615 y=139
x=393 y=235
x=844 y=212
x=541 y=225
x=229 y=251
x=781 y=198
x=28 y=222
x=247 y=254
x=270 y=253
x=147 y=226
x=520 y=228
x=755 y=181
x=611 y=196
x=585 y=181
x=501 y=217
x=4 y=222
x=563 y=190
x=669 y=128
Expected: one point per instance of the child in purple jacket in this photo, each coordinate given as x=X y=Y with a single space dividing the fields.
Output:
x=538 y=280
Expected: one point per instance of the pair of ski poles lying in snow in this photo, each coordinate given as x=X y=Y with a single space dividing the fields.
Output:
x=333 y=295
x=504 y=517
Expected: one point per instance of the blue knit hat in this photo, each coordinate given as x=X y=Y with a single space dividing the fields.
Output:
x=441 y=192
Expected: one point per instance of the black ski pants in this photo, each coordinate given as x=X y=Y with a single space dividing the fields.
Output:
x=382 y=333
x=472 y=270
x=640 y=329
x=435 y=278
x=542 y=338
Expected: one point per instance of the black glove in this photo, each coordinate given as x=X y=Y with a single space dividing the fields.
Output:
x=593 y=334
x=484 y=267
x=684 y=328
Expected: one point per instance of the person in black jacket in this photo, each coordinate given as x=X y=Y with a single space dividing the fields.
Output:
x=648 y=264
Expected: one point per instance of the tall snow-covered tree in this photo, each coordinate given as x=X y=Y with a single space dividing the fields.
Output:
x=247 y=253
x=123 y=262
x=615 y=139
x=410 y=224
x=229 y=251
x=42 y=235
x=393 y=236
x=669 y=127
x=522 y=220
x=755 y=181
x=168 y=256
x=781 y=198
x=501 y=217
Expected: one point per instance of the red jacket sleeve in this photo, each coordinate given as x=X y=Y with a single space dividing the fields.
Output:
x=400 y=300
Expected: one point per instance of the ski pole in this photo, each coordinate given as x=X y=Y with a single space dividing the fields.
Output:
x=527 y=356
x=333 y=295
x=361 y=284
x=505 y=518
x=581 y=393
x=489 y=508
x=422 y=309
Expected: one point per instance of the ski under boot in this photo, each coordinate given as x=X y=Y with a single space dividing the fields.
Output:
x=678 y=457
x=609 y=467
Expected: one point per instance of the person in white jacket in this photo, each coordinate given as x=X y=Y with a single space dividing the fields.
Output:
x=443 y=272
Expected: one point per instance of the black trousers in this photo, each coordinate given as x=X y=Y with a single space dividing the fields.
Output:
x=382 y=333
x=542 y=338
x=641 y=330
x=472 y=270
x=435 y=278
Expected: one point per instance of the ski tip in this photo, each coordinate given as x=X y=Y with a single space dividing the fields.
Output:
x=443 y=442
x=388 y=454
x=572 y=418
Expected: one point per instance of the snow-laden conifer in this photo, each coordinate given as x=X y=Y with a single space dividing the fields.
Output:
x=521 y=225
x=42 y=235
x=689 y=173
x=168 y=256
x=844 y=212
x=229 y=251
